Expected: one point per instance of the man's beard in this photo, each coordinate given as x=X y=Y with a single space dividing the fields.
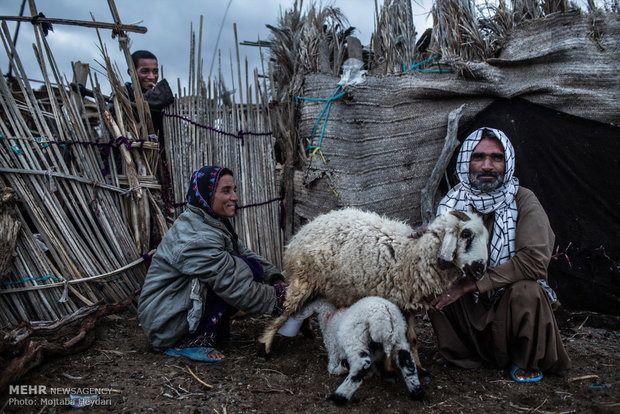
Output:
x=486 y=186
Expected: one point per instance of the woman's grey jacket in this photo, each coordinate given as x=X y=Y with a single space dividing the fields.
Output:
x=198 y=251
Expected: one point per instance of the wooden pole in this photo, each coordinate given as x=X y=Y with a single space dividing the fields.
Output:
x=139 y=99
x=239 y=74
x=21 y=13
x=84 y=23
x=451 y=143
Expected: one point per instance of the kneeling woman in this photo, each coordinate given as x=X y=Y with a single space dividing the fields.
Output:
x=201 y=274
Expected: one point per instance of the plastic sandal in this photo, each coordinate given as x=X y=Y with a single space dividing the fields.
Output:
x=513 y=372
x=200 y=353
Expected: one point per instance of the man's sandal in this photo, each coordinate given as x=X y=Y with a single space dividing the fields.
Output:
x=513 y=374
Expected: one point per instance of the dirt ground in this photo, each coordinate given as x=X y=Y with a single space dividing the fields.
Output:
x=128 y=377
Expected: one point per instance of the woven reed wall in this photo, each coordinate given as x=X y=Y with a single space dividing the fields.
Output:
x=203 y=134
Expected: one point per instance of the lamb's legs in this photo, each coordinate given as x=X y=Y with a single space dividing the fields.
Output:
x=360 y=365
x=335 y=365
x=389 y=374
x=413 y=342
x=408 y=367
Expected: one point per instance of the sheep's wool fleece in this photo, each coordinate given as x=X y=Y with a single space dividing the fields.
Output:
x=349 y=254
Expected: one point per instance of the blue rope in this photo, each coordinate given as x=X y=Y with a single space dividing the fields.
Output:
x=416 y=67
x=41 y=279
x=19 y=151
x=42 y=144
x=325 y=112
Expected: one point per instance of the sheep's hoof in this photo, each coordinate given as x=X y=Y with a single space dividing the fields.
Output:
x=337 y=399
x=417 y=394
x=261 y=350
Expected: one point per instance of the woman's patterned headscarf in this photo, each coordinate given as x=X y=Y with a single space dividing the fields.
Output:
x=201 y=190
x=202 y=187
x=501 y=201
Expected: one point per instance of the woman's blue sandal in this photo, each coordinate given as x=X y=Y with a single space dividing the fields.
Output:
x=200 y=353
x=513 y=374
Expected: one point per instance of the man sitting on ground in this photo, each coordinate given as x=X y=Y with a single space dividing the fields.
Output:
x=506 y=318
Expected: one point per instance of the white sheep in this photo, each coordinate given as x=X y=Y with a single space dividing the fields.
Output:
x=358 y=336
x=348 y=254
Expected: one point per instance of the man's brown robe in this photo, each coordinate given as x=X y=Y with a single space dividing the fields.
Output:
x=518 y=327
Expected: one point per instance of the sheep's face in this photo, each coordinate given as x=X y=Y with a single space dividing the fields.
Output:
x=465 y=244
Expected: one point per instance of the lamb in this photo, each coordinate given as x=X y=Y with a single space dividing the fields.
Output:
x=352 y=334
x=348 y=254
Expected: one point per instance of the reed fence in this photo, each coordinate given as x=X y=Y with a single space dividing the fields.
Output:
x=85 y=216
x=89 y=197
x=201 y=129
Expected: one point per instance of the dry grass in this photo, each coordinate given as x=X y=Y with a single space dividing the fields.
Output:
x=313 y=41
x=476 y=30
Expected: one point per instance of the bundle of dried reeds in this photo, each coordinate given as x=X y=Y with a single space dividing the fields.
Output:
x=393 y=42
x=81 y=239
x=313 y=41
x=469 y=30
x=302 y=42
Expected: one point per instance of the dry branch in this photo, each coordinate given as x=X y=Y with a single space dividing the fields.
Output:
x=27 y=346
x=451 y=143
x=84 y=23
x=583 y=377
x=198 y=379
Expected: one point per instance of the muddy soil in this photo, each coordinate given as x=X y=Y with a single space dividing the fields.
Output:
x=129 y=377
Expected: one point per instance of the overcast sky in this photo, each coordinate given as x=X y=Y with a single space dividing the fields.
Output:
x=168 y=35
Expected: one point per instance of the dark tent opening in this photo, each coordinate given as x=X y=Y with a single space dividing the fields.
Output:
x=572 y=165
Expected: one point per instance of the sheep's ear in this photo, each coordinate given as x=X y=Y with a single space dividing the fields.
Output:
x=447 y=249
x=460 y=215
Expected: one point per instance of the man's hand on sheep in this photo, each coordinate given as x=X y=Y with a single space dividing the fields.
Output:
x=454 y=293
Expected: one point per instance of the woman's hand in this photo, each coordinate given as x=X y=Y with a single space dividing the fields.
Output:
x=280 y=288
x=278 y=279
x=454 y=293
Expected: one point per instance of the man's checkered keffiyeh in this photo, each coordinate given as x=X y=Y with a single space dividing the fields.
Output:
x=502 y=201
